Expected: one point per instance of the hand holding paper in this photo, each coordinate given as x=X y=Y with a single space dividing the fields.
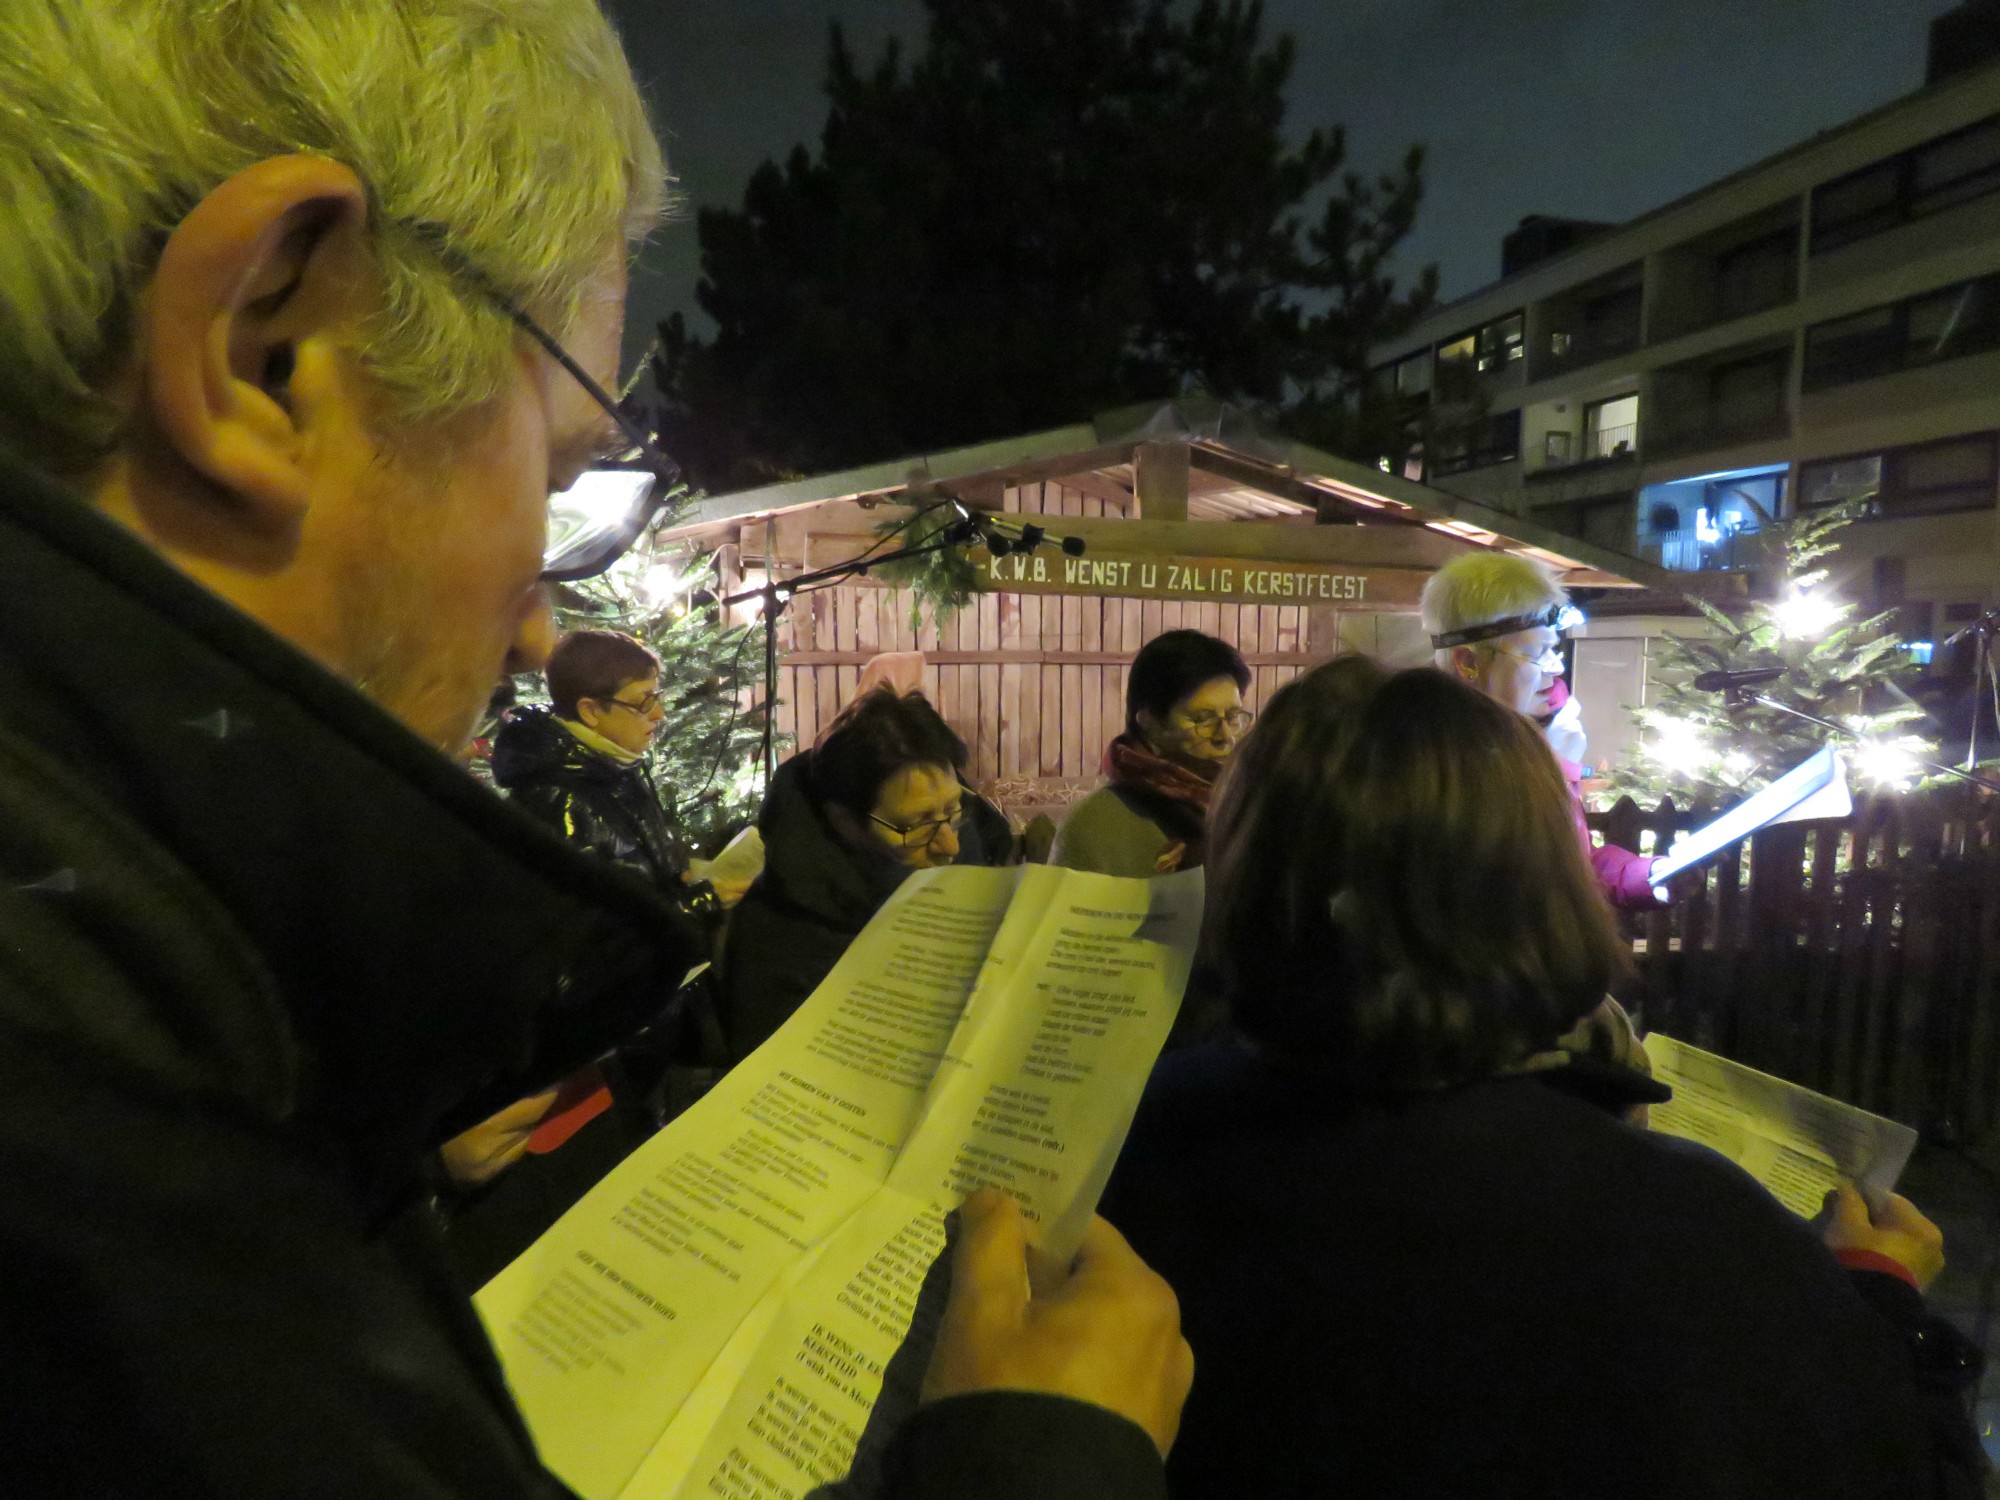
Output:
x=1814 y=788
x=721 y=1314
x=1898 y=1230
x=1104 y=1329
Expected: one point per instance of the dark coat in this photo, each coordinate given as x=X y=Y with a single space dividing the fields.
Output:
x=1505 y=1291
x=817 y=891
x=263 y=950
x=612 y=810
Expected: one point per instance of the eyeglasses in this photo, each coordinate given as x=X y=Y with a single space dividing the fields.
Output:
x=1550 y=661
x=921 y=835
x=595 y=521
x=644 y=706
x=1207 y=721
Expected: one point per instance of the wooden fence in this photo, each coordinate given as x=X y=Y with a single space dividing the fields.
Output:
x=1858 y=956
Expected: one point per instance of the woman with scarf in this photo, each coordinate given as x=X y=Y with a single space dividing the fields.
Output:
x=1183 y=716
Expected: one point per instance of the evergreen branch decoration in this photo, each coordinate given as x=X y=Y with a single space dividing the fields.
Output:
x=943 y=578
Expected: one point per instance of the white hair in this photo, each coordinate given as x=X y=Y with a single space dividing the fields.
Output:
x=1480 y=588
x=513 y=126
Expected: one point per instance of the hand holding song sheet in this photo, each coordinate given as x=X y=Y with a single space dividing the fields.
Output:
x=1799 y=1144
x=1814 y=788
x=716 y=1316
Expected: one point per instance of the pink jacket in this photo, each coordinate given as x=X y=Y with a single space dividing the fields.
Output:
x=1623 y=874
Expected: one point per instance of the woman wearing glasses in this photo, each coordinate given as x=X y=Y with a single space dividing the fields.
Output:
x=1183 y=717
x=1496 y=621
x=843 y=825
x=579 y=765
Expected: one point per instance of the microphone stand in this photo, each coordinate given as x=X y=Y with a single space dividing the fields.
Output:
x=1983 y=671
x=1736 y=697
x=775 y=593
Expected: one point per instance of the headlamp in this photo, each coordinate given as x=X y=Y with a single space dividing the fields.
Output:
x=1561 y=618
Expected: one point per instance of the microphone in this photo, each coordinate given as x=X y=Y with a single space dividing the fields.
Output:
x=1723 y=682
x=1027 y=538
x=1980 y=626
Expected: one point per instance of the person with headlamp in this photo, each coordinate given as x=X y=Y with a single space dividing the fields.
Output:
x=1498 y=621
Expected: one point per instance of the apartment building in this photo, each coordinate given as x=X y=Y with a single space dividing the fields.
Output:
x=1820 y=327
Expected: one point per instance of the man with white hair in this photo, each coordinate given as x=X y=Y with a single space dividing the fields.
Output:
x=309 y=306
x=1496 y=620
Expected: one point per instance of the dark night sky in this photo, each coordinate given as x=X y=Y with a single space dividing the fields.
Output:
x=1586 y=108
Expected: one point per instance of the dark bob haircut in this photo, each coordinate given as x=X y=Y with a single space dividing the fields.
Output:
x=1397 y=895
x=1170 y=666
x=595 y=664
x=874 y=737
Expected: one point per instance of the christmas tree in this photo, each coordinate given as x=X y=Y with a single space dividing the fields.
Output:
x=1701 y=750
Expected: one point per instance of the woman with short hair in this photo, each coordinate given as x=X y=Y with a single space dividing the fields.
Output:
x=879 y=796
x=1183 y=717
x=1410 y=1262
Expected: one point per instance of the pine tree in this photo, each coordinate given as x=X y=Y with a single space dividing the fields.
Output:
x=1054 y=209
x=1703 y=751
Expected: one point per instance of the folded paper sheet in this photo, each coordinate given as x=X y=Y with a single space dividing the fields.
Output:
x=716 y=1316
x=1799 y=1144
x=1815 y=788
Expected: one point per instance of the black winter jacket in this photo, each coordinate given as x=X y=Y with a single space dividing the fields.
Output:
x=817 y=891
x=1503 y=1291
x=261 y=950
x=612 y=810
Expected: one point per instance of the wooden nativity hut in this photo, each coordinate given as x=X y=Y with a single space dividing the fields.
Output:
x=1188 y=514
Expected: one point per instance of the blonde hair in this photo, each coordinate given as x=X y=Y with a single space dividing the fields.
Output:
x=512 y=126
x=1479 y=588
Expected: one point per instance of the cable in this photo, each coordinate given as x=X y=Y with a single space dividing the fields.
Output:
x=735 y=714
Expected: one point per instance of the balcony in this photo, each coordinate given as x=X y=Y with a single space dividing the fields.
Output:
x=1711 y=523
x=1621 y=441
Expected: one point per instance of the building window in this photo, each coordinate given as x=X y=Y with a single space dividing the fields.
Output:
x=1746 y=398
x=1936 y=175
x=1956 y=474
x=1856 y=206
x=1711 y=523
x=1605 y=521
x=1611 y=428
x=1484 y=441
x=1488 y=350
x=1945 y=324
x=1756 y=276
x=1960 y=166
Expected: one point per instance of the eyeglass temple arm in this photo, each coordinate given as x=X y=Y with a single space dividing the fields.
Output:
x=633 y=433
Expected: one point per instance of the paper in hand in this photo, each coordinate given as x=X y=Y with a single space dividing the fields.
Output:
x=1814 y=788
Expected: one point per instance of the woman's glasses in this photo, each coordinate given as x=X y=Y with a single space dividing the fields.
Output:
x=1206 y=720
x=921 y=835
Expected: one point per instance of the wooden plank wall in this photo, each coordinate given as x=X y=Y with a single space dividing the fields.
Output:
x=1035 y=685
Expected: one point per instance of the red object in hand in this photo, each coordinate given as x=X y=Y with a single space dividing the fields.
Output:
x=581 y=1099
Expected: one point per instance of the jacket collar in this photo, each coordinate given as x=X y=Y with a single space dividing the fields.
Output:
x=435 y=952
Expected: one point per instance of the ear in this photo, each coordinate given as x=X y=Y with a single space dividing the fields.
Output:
x=237 y=343
x=588 y=713
x=1465 y=663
